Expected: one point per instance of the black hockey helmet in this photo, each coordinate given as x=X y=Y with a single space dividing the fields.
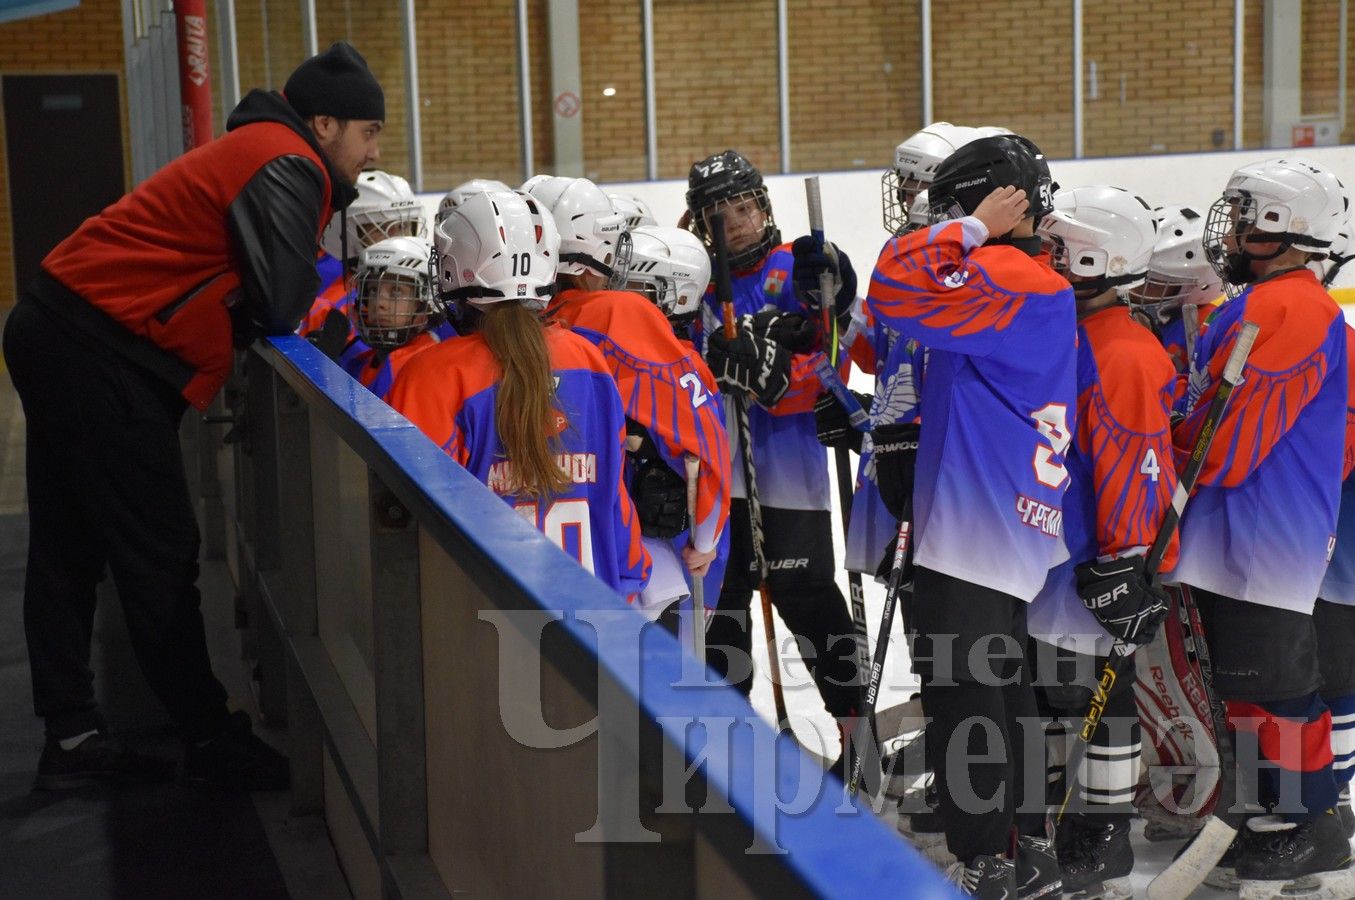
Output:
x=980 y=167
x=722 y=179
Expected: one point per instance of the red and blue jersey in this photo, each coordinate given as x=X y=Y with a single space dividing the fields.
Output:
x=791 y=464
x=1338 y=586
x=999 y=401
x=667 y=388
x=336 y=293
x=1120 y=467
x=898 y=386
x=449 y=392
x=1263 y=518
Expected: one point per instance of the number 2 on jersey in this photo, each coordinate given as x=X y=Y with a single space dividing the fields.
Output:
x=567 y=525
x=1051 y=420
x=693 y=383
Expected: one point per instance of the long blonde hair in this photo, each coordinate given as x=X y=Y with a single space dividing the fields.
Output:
x=524 y=412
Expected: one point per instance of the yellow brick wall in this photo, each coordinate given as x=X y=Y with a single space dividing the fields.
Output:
x=715 y=82
x=855 y=89
x=611 y=54
x=998 y=63
x=85 y=39
x=1321 y=42
x=1164 y=77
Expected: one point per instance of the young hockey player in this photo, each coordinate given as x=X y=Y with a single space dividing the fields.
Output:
x=1121 y=479
x=770 y=293
x=990 y=474
x=393 y=312
x=1178 y=276
x=385 y=208
x=1257 y=535
x=671 y=268
x=531 y=411
x=670 y=413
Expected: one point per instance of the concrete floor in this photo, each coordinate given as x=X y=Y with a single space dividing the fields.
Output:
x=148 y=842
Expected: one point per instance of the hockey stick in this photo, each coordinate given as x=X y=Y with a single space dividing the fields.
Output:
x=1121 y=652
x=698 y=583
x=724 y=294
x=841 y=455
x=864 y=729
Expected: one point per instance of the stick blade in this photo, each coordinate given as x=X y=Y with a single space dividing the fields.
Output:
x=1187 y=871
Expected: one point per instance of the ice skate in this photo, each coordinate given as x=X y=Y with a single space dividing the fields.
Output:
x=1309 y=860
x=986 y=877
x=1037 y=869
x=1096 y=859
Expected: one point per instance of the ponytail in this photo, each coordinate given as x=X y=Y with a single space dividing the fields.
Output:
x=524 y=413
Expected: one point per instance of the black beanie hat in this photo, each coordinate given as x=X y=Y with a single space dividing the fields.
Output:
x=336 y=83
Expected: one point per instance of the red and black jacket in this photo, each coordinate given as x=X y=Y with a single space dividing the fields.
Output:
x=215 y=249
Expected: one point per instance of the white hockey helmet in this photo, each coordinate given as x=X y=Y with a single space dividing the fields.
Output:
x=385 y=207
x=1102 y=234
x=394 y=301
x=1289 y=202
x=915 y=163
x=592 y=234
x=635 y=210
x=919 y=212
x=457 y=195
x=1336 y=258
x=494 y=247
x=671 y=267
x=992 y=130
x=1179 y=273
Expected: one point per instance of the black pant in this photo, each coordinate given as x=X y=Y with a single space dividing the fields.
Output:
x=968 y=646
x=106 y=487
x=799 y=548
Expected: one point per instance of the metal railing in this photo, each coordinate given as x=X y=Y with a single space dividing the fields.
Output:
x=472 y=711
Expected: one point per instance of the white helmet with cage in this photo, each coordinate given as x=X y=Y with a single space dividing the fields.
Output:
x=1287 y=202
x=494 y=247
x=385 y=207
x=671 y=267
x=635 y=210
x=592 y=234
x=394 y=301
x=915 y=163
x=1179 y=273
x=457 y=195
x=1102 y=234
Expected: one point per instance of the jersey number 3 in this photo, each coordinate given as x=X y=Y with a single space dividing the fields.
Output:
x=1052 y=422
x=567 y=525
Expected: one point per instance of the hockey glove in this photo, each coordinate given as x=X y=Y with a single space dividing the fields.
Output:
x=1123 y=598
x=660 y=497
x=812 y=259
x=895 y=456
x=750 y=364
x=331 y=338
x=791 y=330
x=833 y=427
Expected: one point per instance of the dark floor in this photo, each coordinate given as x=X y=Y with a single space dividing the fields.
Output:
x=142 y=842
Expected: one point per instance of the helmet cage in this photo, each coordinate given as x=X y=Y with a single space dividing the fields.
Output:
x=409 y=308
x=367 y=227
x=898 y=194
x=760 y=245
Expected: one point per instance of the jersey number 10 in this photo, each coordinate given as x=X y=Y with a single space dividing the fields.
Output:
x=567 y=525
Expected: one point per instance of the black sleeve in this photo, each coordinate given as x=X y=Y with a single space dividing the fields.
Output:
x=273 y=222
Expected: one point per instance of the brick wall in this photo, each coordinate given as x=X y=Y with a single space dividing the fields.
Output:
x=715 y=82
x=855 y=89
x=611 y=54
x=996 y=63
x=1164 y=80
x=85 y=39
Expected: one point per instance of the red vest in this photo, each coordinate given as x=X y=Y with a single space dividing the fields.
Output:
x=159 y=261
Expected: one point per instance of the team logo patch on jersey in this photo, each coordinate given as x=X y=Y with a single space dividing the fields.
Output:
x=956 y=279
x=776 y=280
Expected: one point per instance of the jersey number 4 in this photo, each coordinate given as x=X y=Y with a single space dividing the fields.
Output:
x=1052 y=422
x=567 y=525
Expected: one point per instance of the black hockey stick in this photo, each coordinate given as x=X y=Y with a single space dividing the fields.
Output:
x=1121 y=652
x=841 y=455
x=865 y=732
x=724 y=294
